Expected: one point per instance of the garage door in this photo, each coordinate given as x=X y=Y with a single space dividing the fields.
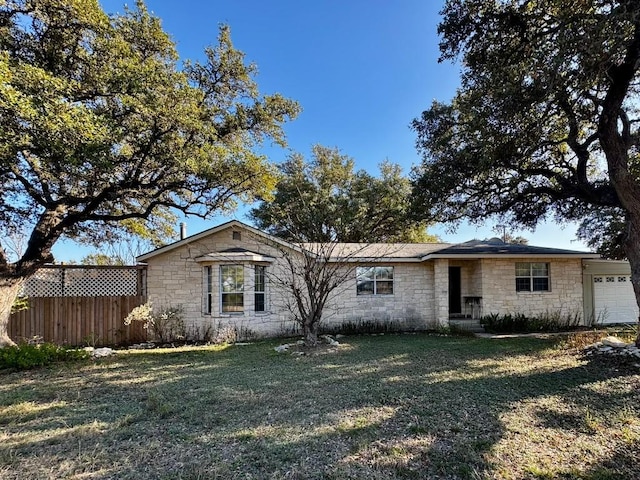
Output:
x=614 y=300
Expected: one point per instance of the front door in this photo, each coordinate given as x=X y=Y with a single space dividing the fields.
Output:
x=455 y=291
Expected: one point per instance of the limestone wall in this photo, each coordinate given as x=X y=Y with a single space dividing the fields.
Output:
x=412 y=302
x=175 y=278
x=499 y=288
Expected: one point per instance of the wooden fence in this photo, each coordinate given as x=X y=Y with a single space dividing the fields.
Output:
x=78 y=320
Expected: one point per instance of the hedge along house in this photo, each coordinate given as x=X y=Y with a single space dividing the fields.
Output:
x=233 y=274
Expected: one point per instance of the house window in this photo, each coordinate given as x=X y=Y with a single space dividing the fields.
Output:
x=232 y=288
x=532 y=277
x=374 y=280
x=260 y=288
x=208 y=300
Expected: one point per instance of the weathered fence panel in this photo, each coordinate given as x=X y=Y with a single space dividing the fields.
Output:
x=78 y=320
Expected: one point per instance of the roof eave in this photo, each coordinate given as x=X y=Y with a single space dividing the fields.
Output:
x=375 y=260
x=473 y=256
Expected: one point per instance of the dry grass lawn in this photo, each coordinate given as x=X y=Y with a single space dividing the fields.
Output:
x=395 y=406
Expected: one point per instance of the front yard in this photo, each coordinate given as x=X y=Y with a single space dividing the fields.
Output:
x=395 y=406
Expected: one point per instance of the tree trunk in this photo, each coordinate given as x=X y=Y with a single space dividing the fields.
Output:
x=9 y=289
x=632 y=247
x=310 y=331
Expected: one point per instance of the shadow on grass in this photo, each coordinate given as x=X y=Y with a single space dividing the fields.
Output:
x=405 y=406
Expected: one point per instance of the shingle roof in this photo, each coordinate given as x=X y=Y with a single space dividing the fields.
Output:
x=497 y=247
x=401 y=252
x=391 y=251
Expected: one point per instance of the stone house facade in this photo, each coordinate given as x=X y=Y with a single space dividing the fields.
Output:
x=233 y=275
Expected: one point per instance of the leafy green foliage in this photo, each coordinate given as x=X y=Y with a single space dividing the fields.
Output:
x=26 y=356
x=545 y=121
x=20 y=303
x=101 y=259
x=103 y=133
x=603 y=230
x=324 y=200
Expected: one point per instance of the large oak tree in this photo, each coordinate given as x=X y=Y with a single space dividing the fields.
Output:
x=545 y=121
x=101 y=129
x=324 y=199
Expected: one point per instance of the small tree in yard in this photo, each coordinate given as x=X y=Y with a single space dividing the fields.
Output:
x=312 y=273
x=319 y=204
x=545 y=121
x=102 y=133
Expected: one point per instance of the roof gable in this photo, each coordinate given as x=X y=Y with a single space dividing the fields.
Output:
x=211 y=231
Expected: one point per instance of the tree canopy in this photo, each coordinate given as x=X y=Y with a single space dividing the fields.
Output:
x=103 y=131
x=100 y=125
x=325 y=200
x=545 y=121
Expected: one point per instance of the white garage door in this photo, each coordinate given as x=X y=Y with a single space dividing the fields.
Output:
x=614 y=300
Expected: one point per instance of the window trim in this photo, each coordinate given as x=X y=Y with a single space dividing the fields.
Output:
x=263 y=291
x=232 y=292
x=531 y=277
x=375 y=280
x=208 y=290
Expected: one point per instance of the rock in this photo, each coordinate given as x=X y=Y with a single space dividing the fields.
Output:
x=102 y=352
x=339 y=335
x=142 y=346
x=614 y=342
x=243 y=343
x=300 y=342
x=329 y=341
x=612 y=346
x=282 y=348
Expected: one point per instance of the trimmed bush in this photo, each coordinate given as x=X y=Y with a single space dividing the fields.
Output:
x=26 y=356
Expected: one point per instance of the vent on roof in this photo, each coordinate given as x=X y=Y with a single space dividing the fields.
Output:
x=236 y=235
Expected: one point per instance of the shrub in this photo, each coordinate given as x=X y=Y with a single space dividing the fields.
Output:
x=165 y=326
x=521 y=323
x=360 y=326
x=20 y=303
x=26 y=356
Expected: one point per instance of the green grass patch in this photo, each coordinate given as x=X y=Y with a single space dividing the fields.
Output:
x=392 y=406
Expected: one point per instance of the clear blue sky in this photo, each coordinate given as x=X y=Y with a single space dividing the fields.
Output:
x=361 y=69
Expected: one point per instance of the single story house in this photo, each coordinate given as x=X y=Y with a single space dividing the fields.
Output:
x=234 y=274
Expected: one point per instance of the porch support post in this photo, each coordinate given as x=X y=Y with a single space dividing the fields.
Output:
x=441 y=284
